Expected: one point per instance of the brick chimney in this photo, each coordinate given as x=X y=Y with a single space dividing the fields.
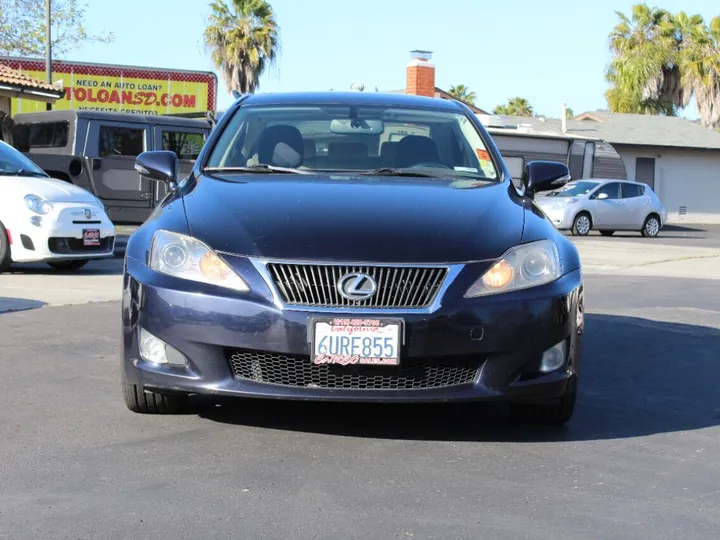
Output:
x=420 y=74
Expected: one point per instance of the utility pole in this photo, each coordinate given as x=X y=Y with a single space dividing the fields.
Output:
x=48 y=48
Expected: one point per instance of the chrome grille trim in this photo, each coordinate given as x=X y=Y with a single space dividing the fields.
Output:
x=315 y=286
x=290 y=290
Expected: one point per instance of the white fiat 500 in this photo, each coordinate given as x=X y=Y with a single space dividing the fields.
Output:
x=48 y=220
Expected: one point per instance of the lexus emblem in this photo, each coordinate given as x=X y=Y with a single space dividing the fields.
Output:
x=88 y=213
x=356 y=287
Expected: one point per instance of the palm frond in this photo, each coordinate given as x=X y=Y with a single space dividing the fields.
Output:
x=243 y=40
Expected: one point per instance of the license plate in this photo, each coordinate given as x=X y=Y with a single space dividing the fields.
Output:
x=91 y=237
x=356 y=341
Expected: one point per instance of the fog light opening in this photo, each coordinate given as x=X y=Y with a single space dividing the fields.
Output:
x=553 y=358
x=156 y=351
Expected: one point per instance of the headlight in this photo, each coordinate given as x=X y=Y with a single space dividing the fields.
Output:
x=187 y=258
x=521 y=267
x=37 y=204
x=566 y=202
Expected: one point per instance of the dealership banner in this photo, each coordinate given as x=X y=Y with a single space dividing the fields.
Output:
x=116 y=88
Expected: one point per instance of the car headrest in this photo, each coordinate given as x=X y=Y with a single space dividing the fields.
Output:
x=414 y=149
x=282 y=146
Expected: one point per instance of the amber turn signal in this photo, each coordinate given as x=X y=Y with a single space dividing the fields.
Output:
x=499 y=275
x=212 y=267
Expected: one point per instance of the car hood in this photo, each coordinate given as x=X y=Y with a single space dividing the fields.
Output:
x=368 y=219
x=53 y=191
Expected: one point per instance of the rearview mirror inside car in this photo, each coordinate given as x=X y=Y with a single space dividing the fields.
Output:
x=357 y=126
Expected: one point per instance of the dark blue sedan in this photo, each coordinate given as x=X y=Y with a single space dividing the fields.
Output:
x=351 y=247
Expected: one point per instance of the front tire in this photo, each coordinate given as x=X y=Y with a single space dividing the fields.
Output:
x=144 y=402
x=74 y=264
x=582 y=224
x=5 y=259
x=651 y=227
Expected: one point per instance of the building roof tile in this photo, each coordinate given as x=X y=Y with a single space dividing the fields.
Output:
x=16 y=79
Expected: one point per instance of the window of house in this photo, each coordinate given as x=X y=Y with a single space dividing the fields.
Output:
x=185 y=145
x=515 y=165
x=121 y=141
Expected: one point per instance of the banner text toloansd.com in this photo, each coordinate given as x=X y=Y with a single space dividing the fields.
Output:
x=116 y=88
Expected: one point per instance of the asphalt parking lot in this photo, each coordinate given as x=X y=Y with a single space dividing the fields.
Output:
x=675 y=235
x=639 y=459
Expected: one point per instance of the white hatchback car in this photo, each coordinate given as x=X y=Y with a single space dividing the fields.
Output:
x=48 y=220
x=604 y=205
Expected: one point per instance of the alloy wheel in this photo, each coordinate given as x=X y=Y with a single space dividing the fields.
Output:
x=652 y=227
x=582 y=225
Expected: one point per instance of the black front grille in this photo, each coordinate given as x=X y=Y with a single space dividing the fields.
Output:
x=299 y=371
x=398 y=287
x=75 y=245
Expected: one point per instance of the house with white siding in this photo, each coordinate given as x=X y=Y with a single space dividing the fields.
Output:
x=678 y=158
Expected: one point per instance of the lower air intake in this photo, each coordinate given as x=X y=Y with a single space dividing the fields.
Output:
x=298 y=371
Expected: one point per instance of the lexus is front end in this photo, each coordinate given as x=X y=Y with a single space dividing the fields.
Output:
x=351 y=247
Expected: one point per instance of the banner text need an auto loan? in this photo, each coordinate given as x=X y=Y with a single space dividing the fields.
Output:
x=122 y=93
x=128 y=93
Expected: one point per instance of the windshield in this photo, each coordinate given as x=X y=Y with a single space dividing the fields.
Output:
x=574 y=189
x=356 y=139
x=15 y=163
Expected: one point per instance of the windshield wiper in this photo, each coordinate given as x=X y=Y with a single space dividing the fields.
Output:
x=389 y=171
x=260 y=168
x=24 y=172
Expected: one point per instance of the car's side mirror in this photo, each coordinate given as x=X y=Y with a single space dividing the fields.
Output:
x=545 y=176
x=160 y=166
x=601 y=196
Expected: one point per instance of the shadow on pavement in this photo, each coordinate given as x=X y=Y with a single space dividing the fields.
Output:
x=708 y=238
x=640 y=377
x=110 y=266
x=660 y=236
x=630 y=234
x=681 y=228
x=11 y=305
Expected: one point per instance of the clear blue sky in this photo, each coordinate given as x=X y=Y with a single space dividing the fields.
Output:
x=547 y=52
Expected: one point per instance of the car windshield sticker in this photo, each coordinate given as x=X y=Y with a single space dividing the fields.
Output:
x=485 y=162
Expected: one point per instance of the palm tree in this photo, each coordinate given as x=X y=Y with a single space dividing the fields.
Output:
x=645 y=71
x=243 y=39
x=463 y=93
x=701 y=69
x=516 y=106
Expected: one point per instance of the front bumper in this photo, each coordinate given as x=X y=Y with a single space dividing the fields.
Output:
x=504 y=336
x=561 y=216
x=58 y=235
